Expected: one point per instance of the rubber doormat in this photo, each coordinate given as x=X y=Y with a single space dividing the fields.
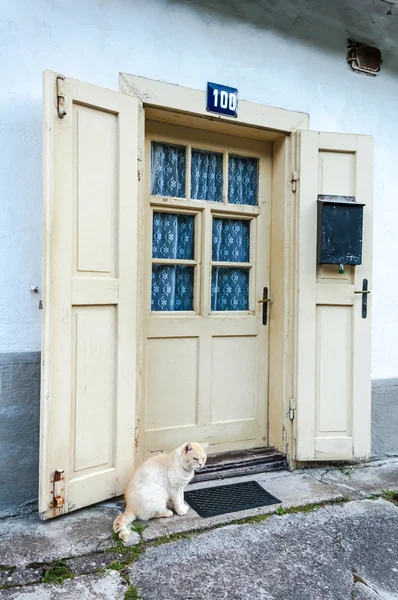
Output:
x=221 y=499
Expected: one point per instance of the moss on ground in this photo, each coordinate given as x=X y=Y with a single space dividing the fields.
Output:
x=139 y=527
x=391 y=496
x=57 y=573
x=131 y=593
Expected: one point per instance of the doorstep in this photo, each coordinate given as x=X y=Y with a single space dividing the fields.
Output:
x=237 y=463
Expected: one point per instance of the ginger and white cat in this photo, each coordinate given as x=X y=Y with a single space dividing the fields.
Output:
x=158 y=485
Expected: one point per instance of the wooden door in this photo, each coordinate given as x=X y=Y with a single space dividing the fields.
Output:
x=334 y=339
x=89 y=294
x=207 y=246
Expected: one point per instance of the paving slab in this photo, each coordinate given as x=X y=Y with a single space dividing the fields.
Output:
x=339 y=552
x=363 y=481
x=293 y=489
x=25 y=540
x=109 y=586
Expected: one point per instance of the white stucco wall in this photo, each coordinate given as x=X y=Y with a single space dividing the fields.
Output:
x=95 y=39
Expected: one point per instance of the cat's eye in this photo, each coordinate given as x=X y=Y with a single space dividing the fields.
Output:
x=195 y=459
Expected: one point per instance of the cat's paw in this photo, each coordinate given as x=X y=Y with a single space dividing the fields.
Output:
x=182 y=510
x=124 y=535
x=164 y=514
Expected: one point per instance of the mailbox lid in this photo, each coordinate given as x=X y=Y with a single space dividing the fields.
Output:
x=340 y=227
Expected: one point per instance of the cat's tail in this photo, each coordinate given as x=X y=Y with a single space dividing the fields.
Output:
x=121 y=525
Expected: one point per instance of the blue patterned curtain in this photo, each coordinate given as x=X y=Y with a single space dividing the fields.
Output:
x=173 y=236
x=231 y=240
x=168 y=170
x=242 y=180
x=206 y=175
x=172 y=287
x=231 y=243
x=229 y=289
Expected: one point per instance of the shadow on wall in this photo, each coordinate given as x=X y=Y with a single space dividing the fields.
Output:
x=324 y=24
x=19 y=432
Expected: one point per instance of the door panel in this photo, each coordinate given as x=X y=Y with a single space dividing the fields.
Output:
x=233 y=398
x=334 y=341
x=172 y=400
x=89 y=297
x=207 y=210
x=92 y=416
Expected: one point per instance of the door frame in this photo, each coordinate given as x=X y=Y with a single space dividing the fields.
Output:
x=178 y=105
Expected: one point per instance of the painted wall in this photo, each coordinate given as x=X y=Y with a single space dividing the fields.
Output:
x=188 y=44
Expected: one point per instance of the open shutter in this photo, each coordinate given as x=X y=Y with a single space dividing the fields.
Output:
x=334 y=341
x=89 y=294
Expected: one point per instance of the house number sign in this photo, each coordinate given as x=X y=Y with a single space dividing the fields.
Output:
x=222 y=100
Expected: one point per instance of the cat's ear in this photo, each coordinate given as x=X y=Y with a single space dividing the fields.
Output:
x=188 y=447
x=204 y=445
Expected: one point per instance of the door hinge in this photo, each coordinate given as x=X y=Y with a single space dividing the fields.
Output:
x=58 y=481
x=294 y=181
x=292 y=409
x=61 y=97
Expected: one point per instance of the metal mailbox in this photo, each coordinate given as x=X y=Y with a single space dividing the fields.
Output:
x=340 y=227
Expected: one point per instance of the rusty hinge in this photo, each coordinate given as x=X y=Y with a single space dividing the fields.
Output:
x=61 y=96
x=294 y=181
x=292 y=409
x=58 y=488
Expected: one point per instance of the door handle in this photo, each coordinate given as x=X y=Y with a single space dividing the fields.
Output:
x=265 y=302
x=364 y=291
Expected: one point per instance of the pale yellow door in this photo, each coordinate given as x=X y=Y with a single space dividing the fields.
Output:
x=334 y=339
x=207 y=207
x=89 y=294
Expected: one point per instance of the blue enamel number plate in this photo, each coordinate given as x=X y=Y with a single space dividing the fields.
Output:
x=222 y=100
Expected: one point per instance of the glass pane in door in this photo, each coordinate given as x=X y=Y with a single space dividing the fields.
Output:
x=173 y=236
x=229 y=289
x=173 y=241
x=206 y=175
x=242 y=180
x=172 y=287
x=231 y=240
x=229 y=283
x=168 y=170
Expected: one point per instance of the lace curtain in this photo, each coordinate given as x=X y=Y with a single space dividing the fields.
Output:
x=168 y=175
x=242 y=180
x=206 y=175
x=230 y=243
x=173 y=234
x=172 y=287
x=168 y=170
